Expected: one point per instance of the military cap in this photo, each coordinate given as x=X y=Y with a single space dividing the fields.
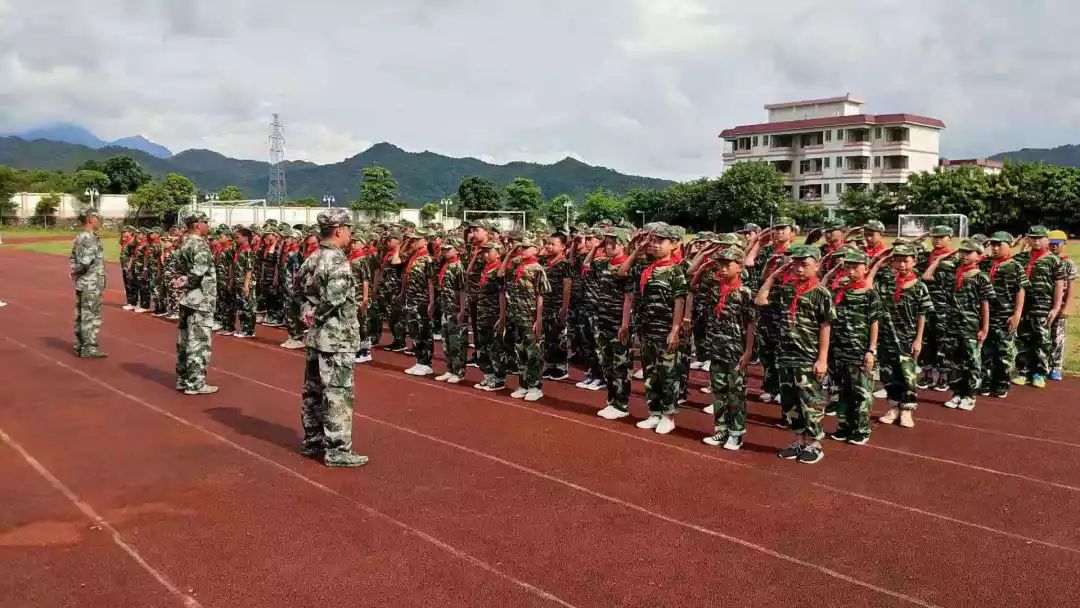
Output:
x=1001 y=237
x=854 y=256
x=667 y=231
x=144 y=231
x=653 y=226
x=514 y=235
x=596 y=232
x=491 y=244
x=311 y=231
x=605 y=223
x=476 y=224
x=874 y=226
x=624 y=223
x=330 y=218
x=196 y=216
x=903 y=250
x=941 y=230
x=1038 y=232
x=970 y=245
x=421 y=233
x=155 y=230
x=733 y=239
x=621 y=235
x=394 y=233
x=127 y=228
x=704 y=235
x=784 y=221
x=255 y=229
x=225 y=231
x=271 y=229
x=1057 y=235
x=88 y=213
x=527 y=241
x=751 y=227
x=454 y=242
x=833 y=223
x=270 y=222
x=731 y=254
x=407 y=224
x=855 y=237
x=804 y=251
x=980 y=238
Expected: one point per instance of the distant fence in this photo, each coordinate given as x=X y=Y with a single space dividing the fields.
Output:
x=111 y=206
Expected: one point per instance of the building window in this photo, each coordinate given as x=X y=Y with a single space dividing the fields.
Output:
x=877 y=162
x=877 y=132
x=828 y=135
x=839 y=135
x=827 y=159
x=755 y=141
x=839 y=162
x=839 y=188
x=826 y=189
x=764 y=140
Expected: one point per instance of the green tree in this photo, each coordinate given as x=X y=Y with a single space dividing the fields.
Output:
x=964 y=190
x=378 y=193
x=430 y=211
x=645 y=205
x=9 y=183
x=125 y=175
x=89 y=179
x=230 y=193
x=478 y=194
x=91 y=164
x=524 y=195
x=747 y=192
x=554 y=211
x=47 y=206
x=150 y=199
x=602 y=204
x=859 y=205
x=805 y=214
x=179 y=192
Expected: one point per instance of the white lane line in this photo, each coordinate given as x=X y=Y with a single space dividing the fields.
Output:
x=93 y=516
x=475 y=561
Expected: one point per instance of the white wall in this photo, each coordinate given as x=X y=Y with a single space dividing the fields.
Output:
x=113 y=206
x=230 y=215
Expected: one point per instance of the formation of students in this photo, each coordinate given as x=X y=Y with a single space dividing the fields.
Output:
x=824 y=322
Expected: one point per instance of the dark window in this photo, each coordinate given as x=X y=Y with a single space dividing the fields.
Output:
x=764 y=140
x=828 y=135
x=839 y=188
x=877 y=133
x=755 y=141
x=839 y=162
x=827 y=162
x=826 y=188
x=839 y=135
x=877 y=161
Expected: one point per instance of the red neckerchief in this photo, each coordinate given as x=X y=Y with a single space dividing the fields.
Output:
x=800 y=289
x=241 y=249
x=937 y=253
x=370 y=249
x=617 y=260
x=873 y=251
x=677 y=255
x=960 y=272
x=310 y=249
x=488 y=268
x=842 y=290
x=521 y=268
x=645 y=274
x=355 y=254
x=1036 y=254
x=412 y=259
x=286 y=250
x=556 y=260
x=901 y=283
x=726 y=287
x=126 y=240
x=446 y=263
x=386 y=257
x=997 y=262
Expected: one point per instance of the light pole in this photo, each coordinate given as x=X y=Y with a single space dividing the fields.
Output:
x=445 y=208
x=642 y=214
x=329 y=200
x=92 y=193
x=568 y=204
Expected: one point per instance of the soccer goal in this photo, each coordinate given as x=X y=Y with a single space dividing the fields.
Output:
x=505 y=220
x=912 y=225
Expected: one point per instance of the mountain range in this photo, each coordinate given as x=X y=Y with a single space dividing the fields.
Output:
x=422 y=176
x=1065 y=156
x=74 y=134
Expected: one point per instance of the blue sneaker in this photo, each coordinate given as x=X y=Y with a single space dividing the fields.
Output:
x=1038 y=381
x=1055 y=375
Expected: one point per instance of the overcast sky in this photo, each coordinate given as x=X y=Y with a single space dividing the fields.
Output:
x=642 y=86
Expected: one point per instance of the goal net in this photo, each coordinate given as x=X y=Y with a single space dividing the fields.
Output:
x=913 y=225
x=505 y=220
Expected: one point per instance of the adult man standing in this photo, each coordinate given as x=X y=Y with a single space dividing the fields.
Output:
x=88 y=272
x=329 y=309
x=197 y=281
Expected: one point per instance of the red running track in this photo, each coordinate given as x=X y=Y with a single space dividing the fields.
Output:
x=128 y=493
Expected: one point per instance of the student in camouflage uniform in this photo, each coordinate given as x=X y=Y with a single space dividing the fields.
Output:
x=853 y=348
x=556 y=308
x=360 y=268
x=700 y=310
x=268 y=283
x=1058 y=240
x=329 y=309
x=764 y=262
x=243 y=284
x=291 y=284
x=477 y=237
x=1042 y=304
x=225 y=311
x=524 y=288
x=169 y=273
x=87 y=266
x=387 y=292
x=658 y=296
x=490 y=318
x=136 y=266
x=418 y=298
x=802 y=359
x=906 y=302
x=584 y=309
x=150 y=271
x=934 y=359
x=161 y=287
x=609 y=307
x=196 y=275
x=730 y=333
x=452 y=286
x=1009 y=283
x=127 y=250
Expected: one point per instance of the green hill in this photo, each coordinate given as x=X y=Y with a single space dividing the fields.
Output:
x=1063 y=156
x=422 y=176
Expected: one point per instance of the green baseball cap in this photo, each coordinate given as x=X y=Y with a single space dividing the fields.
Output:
x=941 y=230
x=784 y=221
x=421 y=233
x=1039 y=232
x=903 y=250
x=731 y=254
x=854 y=256
x=621 y=235
x=804 y=251
x=834 y=223
x=454 y=242
x=980 y=238
x=732 y=239
x=1001 y=237
x=970 y=245
x=492 y=244
x=874 y=226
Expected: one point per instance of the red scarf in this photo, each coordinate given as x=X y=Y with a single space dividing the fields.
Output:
x=800 y=289
x=901 y=282
x=995 y=263
x=937 y=253
x=960 y=272
x=645 y=274
x=726 y=287
x=446 y=263
x=310 y=249
x=874 y=250
x=843 y=289
x=1035 y=255
x=556 y=260
x=355 y=254
x=241 y=249
x=677 y=255
x=386 y=258
x=126 y=240
x=287 y=249
x=836 y=282
x=488 y=268
x=617 y=260
x=521 y=268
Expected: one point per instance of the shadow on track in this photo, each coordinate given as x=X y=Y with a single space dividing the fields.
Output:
x=271 y=432
x=154 y=374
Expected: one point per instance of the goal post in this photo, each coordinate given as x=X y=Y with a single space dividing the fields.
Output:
x=505 y=220
x=918 y=224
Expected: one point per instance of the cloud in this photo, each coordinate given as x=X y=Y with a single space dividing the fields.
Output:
x=642 y=86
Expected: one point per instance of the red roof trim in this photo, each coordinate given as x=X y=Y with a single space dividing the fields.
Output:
x=811 y=102
x=833 y=121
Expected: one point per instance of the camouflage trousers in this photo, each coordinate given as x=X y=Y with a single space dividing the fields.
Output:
x=245 y=312
x=225 y=311
x=765 y=342
x=855 y=387
x=361 y=320
x=386 y=308
x=293 y=323
x=87 y=320
x=728 y=386
x=556 y=340
x=937 y=348
x=966 y=365
x=455 y=344
x=701 y=336
x=802 y=400
x=161 y=297
x=682 y=368
x=661 y=370
x=490 y=349
x=998 y=359
x=615 y=362
x=1035 y=345
x=1057 y=353
x=326 y=401
x=899 y=378
x=528 y=352
x=131 y=290
x=274 y=302
x=193 y=348
x=584 y=319
x=419 y=329
x=142 y=292
x=478 y=353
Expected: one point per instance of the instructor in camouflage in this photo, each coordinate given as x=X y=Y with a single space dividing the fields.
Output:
x=197 y=280
x=88 y=272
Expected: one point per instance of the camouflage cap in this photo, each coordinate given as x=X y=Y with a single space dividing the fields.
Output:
x=154 y=230
x=621 y=235
x=196 y=216
x=421 y=233
x=492 y=244
x=625 y=223
x=595 y=232
x=454 y=242
x=855 y=237
x=311 y=231
x=804 y=251
x=783 y=221
x=751 y=227
x=271 y=229
x=970 y=245
x=1001 y=237
x=733 y=239
x=407 y=224
x=144 y=231
x=904 y=250
x=605 y=223
x=653 y=226
x=331 y=218
x=270 y=222
x=127 y=228
x=527 y=241
x=731 y=254
x=833 y=223
x=1039 y=232
x=394 y=233
x=874 y=226
x=941 y=230
x=667 y=231
x=855 y=256
x=86 y=214
x=980 y=238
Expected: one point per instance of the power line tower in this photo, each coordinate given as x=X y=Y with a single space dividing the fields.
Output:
x=277 y=192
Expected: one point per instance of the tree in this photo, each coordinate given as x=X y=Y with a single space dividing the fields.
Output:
x=125 y=175
x=429 y=212
x=554 y=211
x=47 y=205
x=9 y=183
x=804 y=214
x=179 y=192
x=860 y=205
x=89 y=179
x=91 y=165
x=378 y=193
x=524 y=195
x=964 y=190
x=602 y=204
x=747 y=192
x=230 y=193
x=478 y=194
x=150 y=199
x=645 y=205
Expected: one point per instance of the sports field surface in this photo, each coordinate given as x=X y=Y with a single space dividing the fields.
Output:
x=123 y=492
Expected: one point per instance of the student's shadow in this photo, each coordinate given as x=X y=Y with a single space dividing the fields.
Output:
x=58 y=344
x=154 y=374
x=271 y=432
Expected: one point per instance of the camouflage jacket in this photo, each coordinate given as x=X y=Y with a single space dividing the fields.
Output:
x=896 y=328
x=244 y=260
x=556 y=273
x=138 y=260
x=361 y=272
x=390 y=283
x=290 y=272
x=523 y=284
x=126 y=251
x=450 y=281
x=329 y=292
x=726 y=329
x=487 y=301
x=654 y=304
x=195 y=262
x=87 y=262
x=941 y=285
x=768 y=259
x=965 y=303
x=1007 y=279
x=609 y=289
x=415 y=282
x=222 y=264
x=800 y=332
x=856 y=313
x=1045 y=272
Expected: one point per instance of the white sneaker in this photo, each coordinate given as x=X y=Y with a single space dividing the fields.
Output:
x=709 y=409
x=292 y=344
x=412 y=369
x=881 y=394
x=125 y=307
x=681 y=401
x=667 y=424
x=649 y=423
x=612 y=413
x=696 y=365
x=706 y=366
x=766 y=398
x=243 y=336
x=733 y=443
x=140 y=309
x=706 y=390
x=453 y=379
x=585 y=383
x=216 y=327
x=519 y=393
x=714 y=440
x=639 y=375
x=443 y=377
x=420 y=370
x=436 y=337
x=361 y=359
x=596 y=385
x=967 y=404
x=534 y=394
x=952 y=403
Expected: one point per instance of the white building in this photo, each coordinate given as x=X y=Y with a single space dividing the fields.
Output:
x=987 y=166
x=824 y=146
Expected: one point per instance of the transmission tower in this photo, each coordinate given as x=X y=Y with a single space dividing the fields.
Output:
x=277 y=192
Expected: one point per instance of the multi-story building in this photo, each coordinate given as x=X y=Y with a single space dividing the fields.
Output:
x=824 y=146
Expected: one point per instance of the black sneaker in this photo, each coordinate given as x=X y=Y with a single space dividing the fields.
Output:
x=999 y=394
x=311 y=451
x=792 y=451
x=811 y=454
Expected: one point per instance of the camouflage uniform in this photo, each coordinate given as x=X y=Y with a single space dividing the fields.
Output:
x=389 y=290
x=1007 y=278
x=87 y=264
x=1059 y=329
x=491 y=348
x=585 y=314
x=196 y=264
x=127 y=250
x=902 y=309
x=849 y=342
x=523 y=286
x=329 y=294
x=968 y=292
x=451 y=281
x=726 y=327
x=576 y=327
x=656 y=289
x=269 y=284
x=361 y=269
x=768 y=328
x=614 y=356
x=291 y=289
x=244 y=261
x=138 y=275
x=556 y=338
x=1034 y=340
x=225 y=311
x=419 y=273
x=938 y=343
x=169 y=273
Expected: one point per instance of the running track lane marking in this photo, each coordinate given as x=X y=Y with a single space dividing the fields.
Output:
x=93 y=516
x=289 y=471
x=514 y=404
x=614 y=500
